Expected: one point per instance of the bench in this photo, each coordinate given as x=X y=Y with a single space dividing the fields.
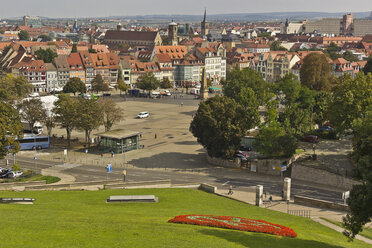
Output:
x=133 y=198
x=17 y=200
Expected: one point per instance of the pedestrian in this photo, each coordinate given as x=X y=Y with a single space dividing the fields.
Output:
x=141 y=135
x=181 y=104
x=112 y=153
x=124 y=175
x=156 y=136
x=270 y=198
x=230 y=190
x=101 y=155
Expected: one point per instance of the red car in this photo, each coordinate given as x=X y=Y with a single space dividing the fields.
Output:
x=310 y=139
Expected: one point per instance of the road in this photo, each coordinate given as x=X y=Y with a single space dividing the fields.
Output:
x=220 y=177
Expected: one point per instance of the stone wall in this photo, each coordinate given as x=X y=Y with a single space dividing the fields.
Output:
x=317 y=176
x=208 y=188
x=224 y=162
x=319 y=203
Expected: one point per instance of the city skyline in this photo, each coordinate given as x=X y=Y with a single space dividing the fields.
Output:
x=94 y=8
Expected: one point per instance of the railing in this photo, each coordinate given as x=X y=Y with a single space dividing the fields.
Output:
x=301 y=213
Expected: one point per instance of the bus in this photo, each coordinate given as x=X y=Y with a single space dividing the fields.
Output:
x=32 y=142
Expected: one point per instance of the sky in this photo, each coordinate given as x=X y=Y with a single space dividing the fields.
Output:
x=103 y=8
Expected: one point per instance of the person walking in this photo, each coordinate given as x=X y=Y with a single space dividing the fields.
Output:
x=156 y=136
x=112 y=154
x=230 y=190
x=124 y=175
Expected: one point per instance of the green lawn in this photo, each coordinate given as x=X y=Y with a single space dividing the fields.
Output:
x=367 y=232
x=83 y=219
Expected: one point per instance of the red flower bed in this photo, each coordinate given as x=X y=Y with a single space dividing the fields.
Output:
x=236 y=223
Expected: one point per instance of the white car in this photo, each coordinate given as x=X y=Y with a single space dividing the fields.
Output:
x=34 y=94
x=15 y=174
x=142 y=115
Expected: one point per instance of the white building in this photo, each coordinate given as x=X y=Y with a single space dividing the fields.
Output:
x=52 y=79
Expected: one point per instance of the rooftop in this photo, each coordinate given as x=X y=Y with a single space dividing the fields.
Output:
x=118 y=134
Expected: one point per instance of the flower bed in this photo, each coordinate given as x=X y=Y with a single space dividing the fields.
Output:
x=236 y=223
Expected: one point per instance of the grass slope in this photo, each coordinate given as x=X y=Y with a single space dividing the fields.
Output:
x=367 y=232
x=83 y=219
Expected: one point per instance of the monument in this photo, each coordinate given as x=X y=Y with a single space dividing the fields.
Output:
x=204 y=86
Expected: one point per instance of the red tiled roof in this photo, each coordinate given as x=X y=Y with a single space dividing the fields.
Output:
x=74 y=61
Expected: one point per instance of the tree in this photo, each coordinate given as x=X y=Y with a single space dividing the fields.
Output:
x=11 y=129
x=66 y=114
x=332 y=51
x=273 y=141
x=368 y=67
x=74 y=48
x=14 y=87
x=322 y=100
x=45 y=38
x=74 y=85
x=23 y=35
x=237 y=80
x=264 y=34
x=47 y=55
x=360 y=199
x=49 y=122
x=89 y=115
x=275 y=46
x=219 y=124
x=298 y=101
x=349 y=56
x=350 y=99
x=32 y=111
x=98 y=84
x=148 y=82
x=111 y=113
x=122 y=86
x=166 y=83
x=316 y=72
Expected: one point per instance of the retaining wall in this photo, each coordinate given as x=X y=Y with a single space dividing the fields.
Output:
x=208 y=188
x=314 y=175
x=320 y=203
x=224 y=162
x=10 y=186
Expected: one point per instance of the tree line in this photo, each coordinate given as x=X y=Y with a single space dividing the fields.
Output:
x=292 y=107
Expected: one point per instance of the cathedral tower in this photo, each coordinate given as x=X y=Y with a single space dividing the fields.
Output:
x=205 y=25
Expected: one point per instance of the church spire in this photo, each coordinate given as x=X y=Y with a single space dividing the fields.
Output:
x=205 y=15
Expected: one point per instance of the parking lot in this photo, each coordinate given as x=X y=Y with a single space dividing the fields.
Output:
x=173 y=147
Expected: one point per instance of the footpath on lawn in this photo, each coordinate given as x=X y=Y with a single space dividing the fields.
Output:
x=278 y=205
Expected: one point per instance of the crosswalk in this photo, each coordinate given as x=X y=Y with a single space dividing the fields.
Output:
x=62 y=167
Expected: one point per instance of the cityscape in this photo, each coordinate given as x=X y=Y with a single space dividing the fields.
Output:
x=212 y=125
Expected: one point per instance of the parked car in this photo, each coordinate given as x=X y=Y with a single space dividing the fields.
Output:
x=34 y=94
x=2 y=169
x=15 y=174
x=142 y=115
x=5 y=174
x=245 y=148
x=326 y=129
x=310 y=139
x=239 y=152
x=241 y=156
x=165 y=93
